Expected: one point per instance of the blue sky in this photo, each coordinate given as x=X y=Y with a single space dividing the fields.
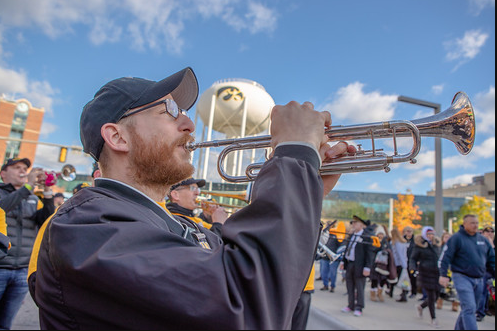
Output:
x=352 y=58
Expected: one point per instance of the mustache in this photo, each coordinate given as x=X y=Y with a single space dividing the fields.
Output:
x=186 y=139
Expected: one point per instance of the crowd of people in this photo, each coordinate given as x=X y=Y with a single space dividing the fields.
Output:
x=129 y=251
x=424 y=267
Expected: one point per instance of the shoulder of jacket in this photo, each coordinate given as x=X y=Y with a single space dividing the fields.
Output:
x=437 y=241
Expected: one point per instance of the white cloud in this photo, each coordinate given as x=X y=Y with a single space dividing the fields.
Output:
x=16 y=85
x=47 y=158
x=477 y=6
x=465 y=48
x=462 y=179
x=414 y=178
x=353 y=104
x=374 y=187
x=47 y=128
x=485 y=150
x=437 y=89
x=484 y=106
x=157 y=25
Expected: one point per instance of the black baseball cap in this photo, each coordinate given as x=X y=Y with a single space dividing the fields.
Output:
x=118 y=96
x=95 y=168
x=189 y=181
x=58 y=195
x=358 y=219
x=11 y=162
x=79 y=187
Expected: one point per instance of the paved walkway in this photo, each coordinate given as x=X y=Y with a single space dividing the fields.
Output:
x=326 y=315
x=387 y=315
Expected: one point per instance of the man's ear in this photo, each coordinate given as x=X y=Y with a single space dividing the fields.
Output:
x=114 y=137
x=174 y=195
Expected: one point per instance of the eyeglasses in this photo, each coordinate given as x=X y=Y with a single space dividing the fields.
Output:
x=193 y=188
x=171 y=107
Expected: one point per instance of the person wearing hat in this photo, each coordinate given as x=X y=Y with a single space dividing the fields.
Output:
x=357 y=262
x=136 y=266
x=424 y=260
x=79 y=187
x=25 y=213
x=95 y=173
x=469 y=255
x=183 y=202
x=58 y=199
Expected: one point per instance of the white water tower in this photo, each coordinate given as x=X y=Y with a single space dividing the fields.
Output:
x=237 y=108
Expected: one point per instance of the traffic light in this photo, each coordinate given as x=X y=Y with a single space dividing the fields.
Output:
x=63 y=154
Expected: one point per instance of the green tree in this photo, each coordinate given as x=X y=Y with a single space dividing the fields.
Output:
x=478 y=206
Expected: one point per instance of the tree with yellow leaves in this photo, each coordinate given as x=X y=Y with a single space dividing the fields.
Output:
x=405 y=212
x=478 y=206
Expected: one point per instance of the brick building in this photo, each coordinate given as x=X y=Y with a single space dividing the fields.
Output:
x=19 y=120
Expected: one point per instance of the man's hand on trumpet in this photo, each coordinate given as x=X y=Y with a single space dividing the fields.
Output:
x=296 y=122
x=213 y=211
x=35 y=177
x=330 y=152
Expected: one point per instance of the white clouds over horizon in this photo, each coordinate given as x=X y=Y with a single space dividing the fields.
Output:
x=353 y=104
x=149 y=28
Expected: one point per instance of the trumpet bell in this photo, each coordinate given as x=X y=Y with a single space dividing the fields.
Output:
x=68 y=173
x=456 y=123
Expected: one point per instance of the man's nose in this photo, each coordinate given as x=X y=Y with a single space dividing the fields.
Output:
x=186 y=124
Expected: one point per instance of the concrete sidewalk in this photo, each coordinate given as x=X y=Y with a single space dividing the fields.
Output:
x=387 y=315
x=326 y=315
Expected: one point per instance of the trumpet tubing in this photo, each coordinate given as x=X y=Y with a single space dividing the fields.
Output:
x=239 y=195
x=215 y=203
x=457 y=124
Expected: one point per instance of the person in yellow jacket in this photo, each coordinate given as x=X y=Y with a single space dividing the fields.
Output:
x=4 y=240
x=183 y=201
x=301 y=313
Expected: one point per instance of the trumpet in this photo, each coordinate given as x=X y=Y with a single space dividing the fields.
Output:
x=204 y=200
x=67 y=173
x=456 y=123
x=239 y=195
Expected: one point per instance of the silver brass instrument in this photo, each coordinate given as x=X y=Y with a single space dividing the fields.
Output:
x=67 y=173
x=456 y=123
x=332 y=256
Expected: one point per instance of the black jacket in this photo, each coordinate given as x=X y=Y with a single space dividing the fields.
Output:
x=424 y=259
x=110 y=258
x=23 y=221
x=363 y=254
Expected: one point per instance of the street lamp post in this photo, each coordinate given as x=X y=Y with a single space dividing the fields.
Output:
x=439 y=223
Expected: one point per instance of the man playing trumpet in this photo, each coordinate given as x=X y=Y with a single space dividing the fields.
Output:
x=114 y=258
x=25 y=213
x=183 y=199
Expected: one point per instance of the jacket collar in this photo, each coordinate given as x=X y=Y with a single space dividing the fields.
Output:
x=133 y=194
x=7 y=187
x=175 y=208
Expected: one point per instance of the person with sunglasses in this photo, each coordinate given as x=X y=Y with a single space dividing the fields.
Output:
x=113 y=257
x=183 y=203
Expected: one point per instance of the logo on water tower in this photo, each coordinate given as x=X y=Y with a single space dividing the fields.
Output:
x=230 y=93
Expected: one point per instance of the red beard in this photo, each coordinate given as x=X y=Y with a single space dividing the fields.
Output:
x=156 y=164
